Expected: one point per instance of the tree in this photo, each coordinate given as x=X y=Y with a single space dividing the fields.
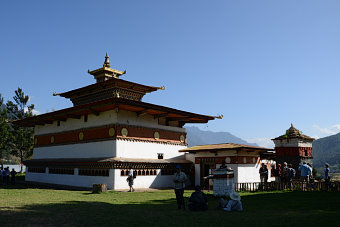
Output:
x=21 y=138
x=4 y=130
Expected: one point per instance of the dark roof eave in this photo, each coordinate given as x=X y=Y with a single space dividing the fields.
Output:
x=35 y=120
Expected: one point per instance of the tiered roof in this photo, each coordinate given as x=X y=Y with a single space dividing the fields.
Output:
x=108 y=93
x=292 y=133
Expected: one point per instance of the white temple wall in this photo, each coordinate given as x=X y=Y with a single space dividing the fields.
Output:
x=292 y=143
x=71 y=180
x=157 y=181
x=247 y=173
x=148 y=121
x=105 y=118
x=81 y=150
x=137 y=149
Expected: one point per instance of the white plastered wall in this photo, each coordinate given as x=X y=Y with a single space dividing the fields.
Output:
x=243 y=173
x=141 y=149
x=156 y=181
x=104 y=118
x=80 y=150
x=292 y=143
x=148 y=121
x=71 y=180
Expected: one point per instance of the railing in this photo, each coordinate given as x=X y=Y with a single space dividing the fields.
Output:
x=295 y=185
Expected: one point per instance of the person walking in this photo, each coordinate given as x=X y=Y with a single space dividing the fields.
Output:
x=130 y=179
x=179 y=185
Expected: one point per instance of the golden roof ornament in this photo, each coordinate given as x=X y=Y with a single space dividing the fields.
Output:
x=106 y=72
x=107 y=61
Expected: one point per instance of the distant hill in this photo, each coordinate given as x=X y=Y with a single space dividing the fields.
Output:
x=195 y=137
x=327 y=149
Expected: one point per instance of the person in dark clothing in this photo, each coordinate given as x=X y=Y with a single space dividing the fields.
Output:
x=198 y=201
x=263 y=173
x=13 y=173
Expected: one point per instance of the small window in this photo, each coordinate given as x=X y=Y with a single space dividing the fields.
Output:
x=160 y=155
x=306 y=152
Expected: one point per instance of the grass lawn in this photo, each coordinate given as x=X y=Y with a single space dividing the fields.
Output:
x=22 y=206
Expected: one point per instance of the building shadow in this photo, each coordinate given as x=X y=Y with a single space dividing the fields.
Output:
x=268 y=209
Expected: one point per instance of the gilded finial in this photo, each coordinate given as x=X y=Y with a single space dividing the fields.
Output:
x=107 y=61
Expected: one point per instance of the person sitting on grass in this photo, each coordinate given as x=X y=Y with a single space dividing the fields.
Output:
x=234 y=204
x=198 y=201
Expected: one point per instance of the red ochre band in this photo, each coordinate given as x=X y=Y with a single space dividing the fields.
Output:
x=103 y=133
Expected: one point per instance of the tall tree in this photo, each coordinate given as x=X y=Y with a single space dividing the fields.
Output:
x=21 y=138
x=4 y=130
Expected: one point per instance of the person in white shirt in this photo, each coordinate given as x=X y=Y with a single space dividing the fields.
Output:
x=130 y=179
x=179 y=185
x=234 y=204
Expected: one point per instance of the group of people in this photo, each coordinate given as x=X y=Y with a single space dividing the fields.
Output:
x=198 y=201
x=5 y=175
x=287 y=173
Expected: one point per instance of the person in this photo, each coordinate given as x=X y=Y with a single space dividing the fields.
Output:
x=291 y=175
x=130 y=179
x=2 y=180
x=13 y=173
x=7 y=175
x=3 y=175
x=327 y=176
x=311 y=177
x=179 y=178
x=198 y=201
x=234 y=204
x=277 y=173
x=305 y=172
x=263 y=173
x=284 y=172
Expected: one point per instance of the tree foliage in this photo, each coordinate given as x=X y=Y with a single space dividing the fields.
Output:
x=4 y=130
x=20 y=138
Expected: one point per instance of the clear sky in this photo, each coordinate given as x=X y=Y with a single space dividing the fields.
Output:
x=262 y=64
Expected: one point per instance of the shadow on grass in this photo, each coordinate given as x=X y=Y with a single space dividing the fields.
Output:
x=269 y=209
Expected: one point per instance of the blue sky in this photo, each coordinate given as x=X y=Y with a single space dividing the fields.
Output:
x=262 y=64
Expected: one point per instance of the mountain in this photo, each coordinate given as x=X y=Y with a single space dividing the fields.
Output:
x=327 y=149
x=195 y=137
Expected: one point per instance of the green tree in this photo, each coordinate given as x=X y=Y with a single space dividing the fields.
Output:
x=4 y=130
x=21 y=138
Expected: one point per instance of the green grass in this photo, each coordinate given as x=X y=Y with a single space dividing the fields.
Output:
x=22 y=206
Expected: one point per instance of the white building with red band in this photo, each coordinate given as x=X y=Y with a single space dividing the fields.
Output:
x=107 y=130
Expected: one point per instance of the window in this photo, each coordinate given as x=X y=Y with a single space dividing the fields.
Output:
x=67 y=171
x=140 y=172
x=36 y=169
x=94 y=172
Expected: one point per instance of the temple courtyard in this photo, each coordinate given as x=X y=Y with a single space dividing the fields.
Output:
x=28 y=206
